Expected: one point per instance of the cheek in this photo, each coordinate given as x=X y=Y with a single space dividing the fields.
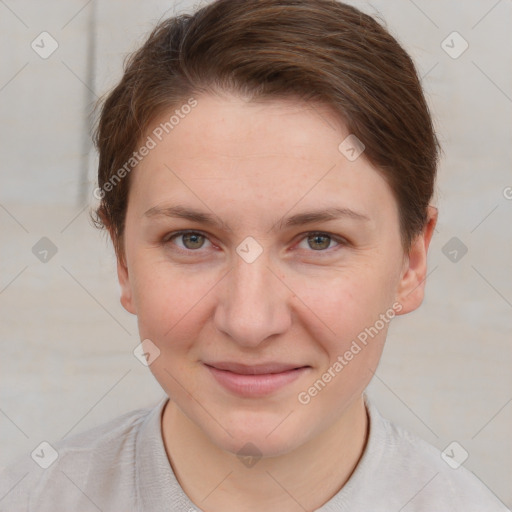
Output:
x=351 y=335
x=353 y=313
x=169 y=300
x=349 y=301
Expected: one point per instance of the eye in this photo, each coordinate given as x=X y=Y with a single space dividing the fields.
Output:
x=319 y=241
x=191 y=240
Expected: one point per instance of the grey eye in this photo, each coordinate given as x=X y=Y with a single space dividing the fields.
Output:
x=319 y=241
x=192 y=240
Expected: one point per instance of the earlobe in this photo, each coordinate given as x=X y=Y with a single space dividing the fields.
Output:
x=126 y=290
x=411 y=288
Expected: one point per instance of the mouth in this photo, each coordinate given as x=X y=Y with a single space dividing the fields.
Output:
x=255 y=380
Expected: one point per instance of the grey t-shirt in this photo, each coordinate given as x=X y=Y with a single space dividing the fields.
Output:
x=122 y=466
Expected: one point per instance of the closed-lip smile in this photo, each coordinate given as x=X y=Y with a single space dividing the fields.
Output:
x=255 y=380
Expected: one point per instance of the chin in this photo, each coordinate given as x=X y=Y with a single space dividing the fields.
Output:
x=266 y=438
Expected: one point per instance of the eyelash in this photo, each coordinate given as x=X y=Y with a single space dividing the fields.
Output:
x=189 y=252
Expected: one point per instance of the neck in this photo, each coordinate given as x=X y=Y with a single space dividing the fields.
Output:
x=304 y=479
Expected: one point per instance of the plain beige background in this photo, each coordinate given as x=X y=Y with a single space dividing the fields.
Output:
x=66 y=343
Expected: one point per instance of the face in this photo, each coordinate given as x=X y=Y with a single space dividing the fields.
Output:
x=256 y=308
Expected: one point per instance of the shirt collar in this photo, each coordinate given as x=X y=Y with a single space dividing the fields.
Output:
x=158 y=489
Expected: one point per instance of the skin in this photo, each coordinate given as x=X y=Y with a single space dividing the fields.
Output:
x=302 y=301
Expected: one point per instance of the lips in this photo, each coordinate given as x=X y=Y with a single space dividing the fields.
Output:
x=254 y=369
x=257 y=380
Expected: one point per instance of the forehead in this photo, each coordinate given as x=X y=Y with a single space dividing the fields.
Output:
x=263 y=128
x=258 y=156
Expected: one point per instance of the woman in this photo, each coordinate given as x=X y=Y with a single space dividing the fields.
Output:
x=266 y=170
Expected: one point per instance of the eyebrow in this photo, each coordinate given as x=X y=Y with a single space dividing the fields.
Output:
x=299 y=219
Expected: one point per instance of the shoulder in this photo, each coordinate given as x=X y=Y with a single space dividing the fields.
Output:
x=427 y=479
x=77 y=472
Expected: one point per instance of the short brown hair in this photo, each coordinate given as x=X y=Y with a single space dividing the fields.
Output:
x=321 y=50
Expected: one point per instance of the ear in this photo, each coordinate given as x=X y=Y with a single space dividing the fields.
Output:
x=126 y=289
x=411 y=288
x=124 y=282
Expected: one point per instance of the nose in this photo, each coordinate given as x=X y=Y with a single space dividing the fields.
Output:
x=253 y=303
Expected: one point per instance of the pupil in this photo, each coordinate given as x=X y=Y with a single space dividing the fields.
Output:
x=194 y=238
x=317 y=237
